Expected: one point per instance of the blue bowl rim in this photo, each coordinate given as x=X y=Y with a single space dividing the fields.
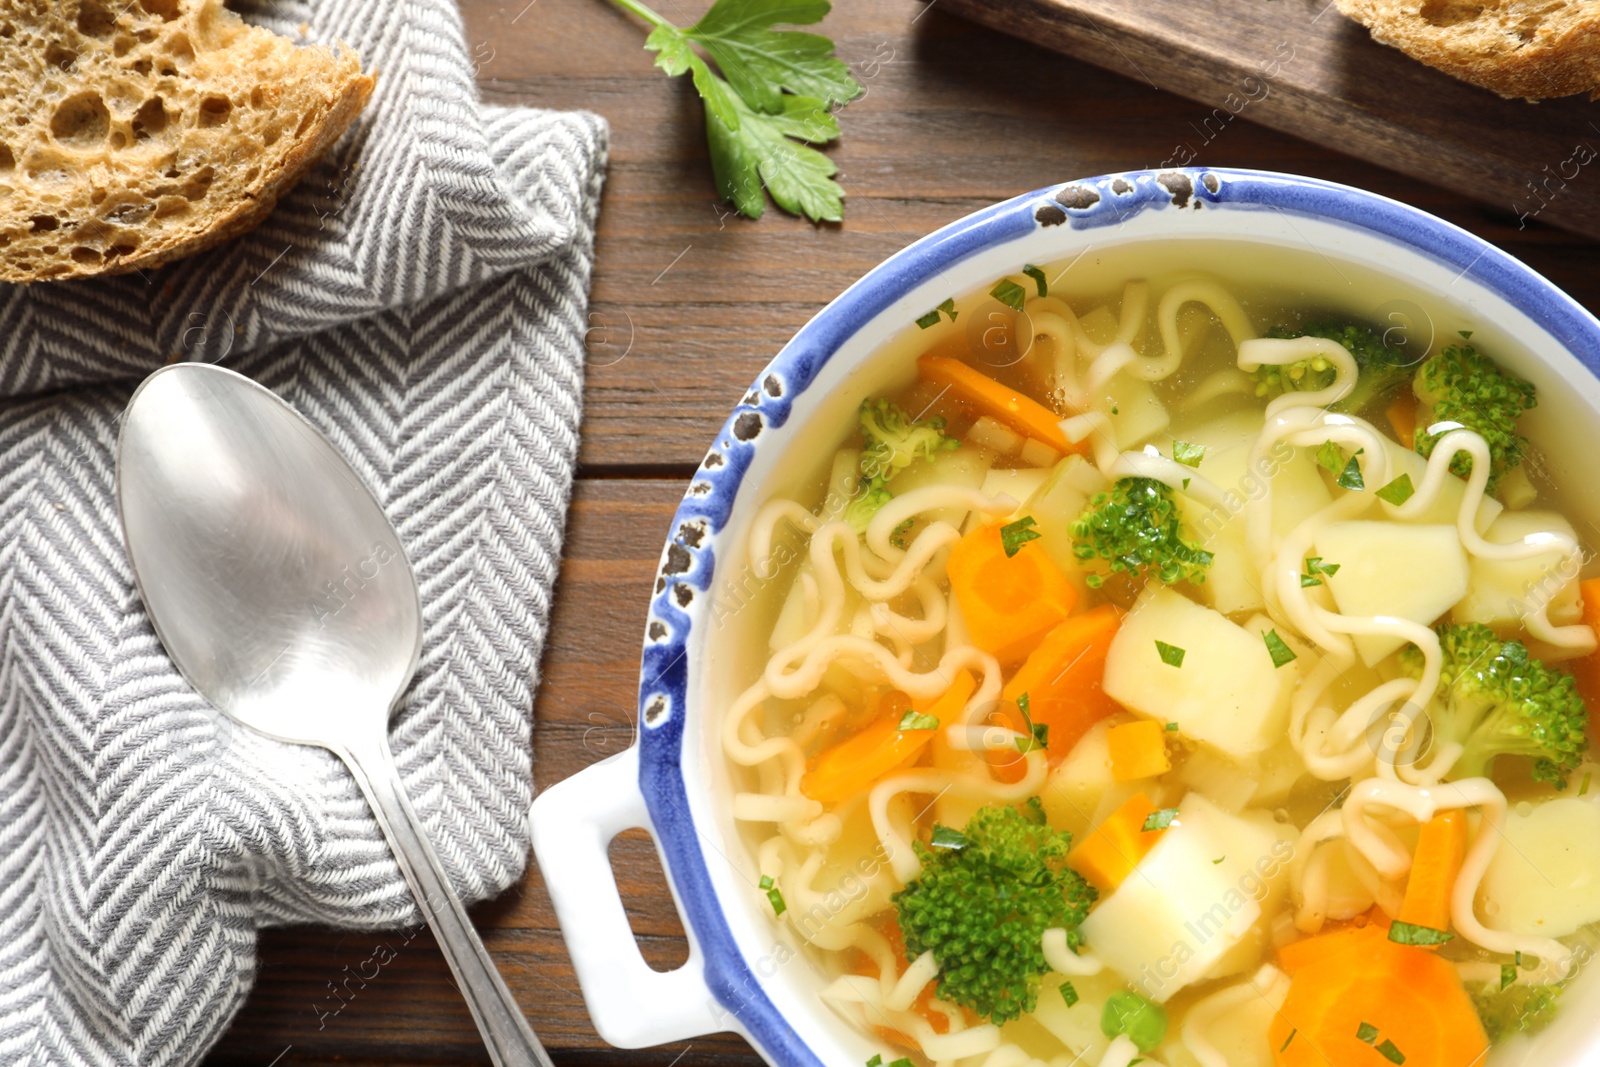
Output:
x=688 y=560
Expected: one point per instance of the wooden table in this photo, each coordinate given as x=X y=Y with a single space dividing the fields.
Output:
x=691 y=302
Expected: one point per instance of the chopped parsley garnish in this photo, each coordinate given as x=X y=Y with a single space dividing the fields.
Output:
x=1069 y=994
x=1350 y=477
x=1307 y=581
x=945 y=837
x=916 y=720
x=1288 y=1039
x=774 y=897
x=1171 y=655
x=1466 y=335
x=767 y=102
x=1013 y=535
x=1280 y=652
x=1187 y=454
x=1508 y=974
x=1391 y=1053
x=1038 y=732
x=1009 y=293
x=1218 y=860
x=1398 y=491
x=1583 y=786
x=1331 y=456
x=932 y=317
x=1160 y=820
x=1367 y=1032
x=1412 y=934
x=903 y=1061
x=1314 y=565
x=1038 y=278
x=1172 y=726
x=876 y=1061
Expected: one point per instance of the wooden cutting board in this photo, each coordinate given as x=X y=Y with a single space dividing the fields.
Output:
x=1301 y=67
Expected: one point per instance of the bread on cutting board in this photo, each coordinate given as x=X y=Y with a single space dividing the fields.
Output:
x=1518 y=48
x=133 y=132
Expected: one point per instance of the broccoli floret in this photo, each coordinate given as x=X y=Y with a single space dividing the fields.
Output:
x=983 y=902
x=1461 y=385
x=1380 y=366
x=1516 y=1008
x=1495 y=700
x=893 y=441
x=1136 y=528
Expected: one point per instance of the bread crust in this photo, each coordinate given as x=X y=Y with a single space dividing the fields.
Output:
x=133 y=134
x=1509 y=47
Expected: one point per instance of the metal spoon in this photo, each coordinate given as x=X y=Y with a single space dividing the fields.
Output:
x=280 y=590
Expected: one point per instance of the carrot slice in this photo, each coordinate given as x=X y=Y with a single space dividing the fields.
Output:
x=1062 y=678
x=1008 y=602
x=880 y=747
x=1021 y=413
x=1138 y=750
x=1391 y=1001
x=1434 y=866
x=1402 y=413
x=1334 y=943
x=1110 y=852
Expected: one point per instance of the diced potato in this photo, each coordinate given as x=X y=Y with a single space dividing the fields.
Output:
x=1135 y=412
x=1501 y=592
x=1077 y=1027
x=1036 y=453
x=1414 y=572
x=1233 y=582
x=1545 y=876
x=1217 y=778
x=964 y=467
x=1517 y=490
x=995 y=435
x=1199 y=892
x=1240 y=1034
x=1019 y=483
x=1072 y=794
x=1403 y=460
x=1227 y=693
x=1058 y=503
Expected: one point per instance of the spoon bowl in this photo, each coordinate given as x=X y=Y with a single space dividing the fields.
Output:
x=280 y=591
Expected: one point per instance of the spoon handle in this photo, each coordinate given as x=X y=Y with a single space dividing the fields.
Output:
x=506 y=1033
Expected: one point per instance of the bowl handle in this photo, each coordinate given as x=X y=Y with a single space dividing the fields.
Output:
x=632 y=1006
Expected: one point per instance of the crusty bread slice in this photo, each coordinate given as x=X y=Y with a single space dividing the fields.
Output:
x=133 y=132
x=1528 y=48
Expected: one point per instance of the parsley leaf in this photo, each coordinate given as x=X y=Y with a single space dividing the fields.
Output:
x=1160 y=820
x=1013 y=535
x=1038 y=278
x=1009 y=293
x=1367 y=1032
x=774 y=896
x=769 y=102
x=1398 y=491
x=1331 y=457
x=944 y=837
x=1391 y=1053
x=1412 y=934
x=932 y=318
x=1350 y=477
x=1038 y=732
x=1069 y=993
x=1187 y=454
x=1280 y=652
x=929 y=320
x=1171 y=655
x=915 y=720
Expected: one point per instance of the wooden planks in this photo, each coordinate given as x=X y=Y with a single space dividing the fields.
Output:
x=1301 y=67
x=955 y=117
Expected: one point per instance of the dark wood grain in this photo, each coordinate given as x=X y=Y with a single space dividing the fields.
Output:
x=955 y=117
x=1298 y=66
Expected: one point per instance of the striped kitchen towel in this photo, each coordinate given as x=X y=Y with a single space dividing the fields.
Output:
x=420 y=296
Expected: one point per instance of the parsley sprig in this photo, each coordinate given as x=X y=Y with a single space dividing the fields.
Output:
x=767 y=102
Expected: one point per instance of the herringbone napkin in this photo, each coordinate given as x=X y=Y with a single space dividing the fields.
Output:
x=421 y=297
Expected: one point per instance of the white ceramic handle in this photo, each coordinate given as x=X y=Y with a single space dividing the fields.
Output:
x=632 y=1005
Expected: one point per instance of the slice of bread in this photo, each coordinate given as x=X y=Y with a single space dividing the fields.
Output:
x=1518 y=48
x=133 y=132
